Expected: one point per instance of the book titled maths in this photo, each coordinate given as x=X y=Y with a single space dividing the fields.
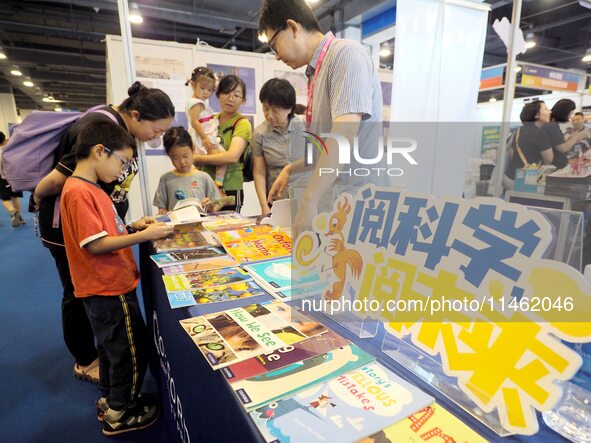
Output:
x=250 y=245
x=344 y=409
x=238 y=334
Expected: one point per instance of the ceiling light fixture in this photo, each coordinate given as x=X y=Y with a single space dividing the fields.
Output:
x=135 y=16
x=529 y=41
x=587 y=57
x=16 y=72
x=492 y=99
x=263 y=38
x=28 y=83
x=2 y=55
x=385 y=52
x=517 y=69
x=311 y=1
x=58 y=109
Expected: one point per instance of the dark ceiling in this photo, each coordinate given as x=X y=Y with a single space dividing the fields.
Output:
x=59 y=44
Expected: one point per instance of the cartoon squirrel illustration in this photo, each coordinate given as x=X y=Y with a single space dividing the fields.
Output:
x=342 y=257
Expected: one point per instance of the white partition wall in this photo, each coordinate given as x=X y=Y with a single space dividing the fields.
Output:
x=167 y=65
x=438 y=56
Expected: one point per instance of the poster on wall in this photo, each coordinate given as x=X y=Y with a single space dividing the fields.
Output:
x=248 y=77
x=299 y=81
x=491 y=135
x=167 y=74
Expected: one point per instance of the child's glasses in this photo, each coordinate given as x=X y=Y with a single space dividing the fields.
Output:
x=124 y=162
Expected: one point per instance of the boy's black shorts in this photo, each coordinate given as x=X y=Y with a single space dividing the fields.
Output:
x=6 y=192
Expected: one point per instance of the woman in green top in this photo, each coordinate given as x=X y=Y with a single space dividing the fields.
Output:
x=235 y=132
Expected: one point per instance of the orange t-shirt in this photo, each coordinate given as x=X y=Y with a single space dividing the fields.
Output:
x=88 y=214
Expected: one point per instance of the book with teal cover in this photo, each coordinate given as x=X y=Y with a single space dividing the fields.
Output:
x=257 y=391
x=344 y=409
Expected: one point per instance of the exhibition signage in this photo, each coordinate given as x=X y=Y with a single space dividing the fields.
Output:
x=465 y=282
x=491 y=78
x=541 y=77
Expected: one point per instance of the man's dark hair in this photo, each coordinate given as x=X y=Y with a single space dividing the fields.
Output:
x=562 y=109
x=152 y=104
x=230 y=82
x=177 y=136
x=530 y=110
x=105 y=133
x=279 y=92
x=275 y=13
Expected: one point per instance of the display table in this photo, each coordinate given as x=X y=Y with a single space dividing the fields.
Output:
x=198 y=404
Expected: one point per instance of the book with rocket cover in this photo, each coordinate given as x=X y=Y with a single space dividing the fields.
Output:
x=204 y=279
x=179 y=257
x=187 y=236
x=433 y=423
x=282 y=357
x=238 y=334
x=262 y=389
x=234 y=291
x=284 y=280
x=268 y=245
x=223 y=261
x=344 y=409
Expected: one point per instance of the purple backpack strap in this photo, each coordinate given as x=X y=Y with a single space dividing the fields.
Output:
x=108 y=114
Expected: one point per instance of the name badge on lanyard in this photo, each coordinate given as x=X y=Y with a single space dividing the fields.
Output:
x=312 y=83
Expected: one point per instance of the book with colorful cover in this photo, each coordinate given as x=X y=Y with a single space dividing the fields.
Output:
x=283 y=357
x=223 y=261
x=238 y=334
x=186 y=236
x=216 y=294
x=178 y=257
x=344 y=409
x=432 y=422
x=264 y=246
x=245 y=233
x=262 y=389
x=283 y=280
x=204 y=279
x=226 y=221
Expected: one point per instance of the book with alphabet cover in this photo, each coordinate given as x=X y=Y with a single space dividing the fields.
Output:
x=238 y=334
x=262 y=389
x=282 y=357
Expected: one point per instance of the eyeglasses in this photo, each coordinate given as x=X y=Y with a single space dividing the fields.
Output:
x=124 y=162
x=271 y=41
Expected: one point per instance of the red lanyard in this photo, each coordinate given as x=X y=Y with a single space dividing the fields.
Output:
x=312 y=84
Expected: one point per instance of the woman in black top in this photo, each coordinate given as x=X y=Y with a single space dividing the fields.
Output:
x=532 y=140
x=561 y=138
x=146 y=114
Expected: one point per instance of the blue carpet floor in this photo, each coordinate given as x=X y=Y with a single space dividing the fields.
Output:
x=40 y=400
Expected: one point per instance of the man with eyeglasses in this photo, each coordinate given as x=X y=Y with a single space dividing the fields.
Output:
x=343 y=92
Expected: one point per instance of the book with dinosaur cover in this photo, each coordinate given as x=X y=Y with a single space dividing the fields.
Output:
x=216 y=294
x=262 y=389
x=186 y=236
x=430 y=423
x=201 y=279
x=264 y=245
x=238 y=334
x=271 y=361
x=344 y=409
x=178 y=257
x=223 y=261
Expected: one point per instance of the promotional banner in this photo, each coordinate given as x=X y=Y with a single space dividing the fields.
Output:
x=541 y=77
x=466 y=282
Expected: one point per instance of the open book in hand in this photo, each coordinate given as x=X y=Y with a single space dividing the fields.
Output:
x=186 y=214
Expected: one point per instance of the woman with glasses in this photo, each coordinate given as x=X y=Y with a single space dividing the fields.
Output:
x=146 y=114
x=235 y=132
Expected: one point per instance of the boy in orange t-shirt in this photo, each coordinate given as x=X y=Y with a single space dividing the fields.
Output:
x=105 y=275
